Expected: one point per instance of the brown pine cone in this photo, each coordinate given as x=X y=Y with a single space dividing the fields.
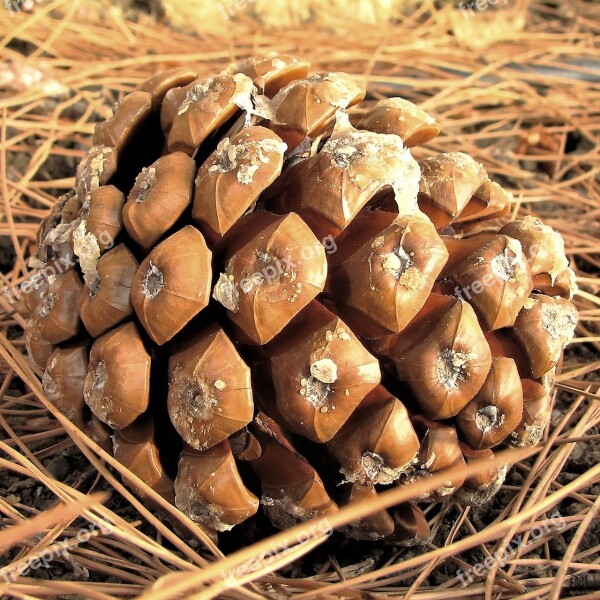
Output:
x=275 y=307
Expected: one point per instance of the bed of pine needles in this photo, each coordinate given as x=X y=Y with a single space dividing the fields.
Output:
x=517 y=87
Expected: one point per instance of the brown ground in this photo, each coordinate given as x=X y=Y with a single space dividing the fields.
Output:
x=515 y=85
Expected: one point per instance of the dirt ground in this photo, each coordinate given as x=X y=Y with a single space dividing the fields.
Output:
x=69 y=465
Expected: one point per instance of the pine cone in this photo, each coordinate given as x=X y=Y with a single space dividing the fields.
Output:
x=274 y=306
